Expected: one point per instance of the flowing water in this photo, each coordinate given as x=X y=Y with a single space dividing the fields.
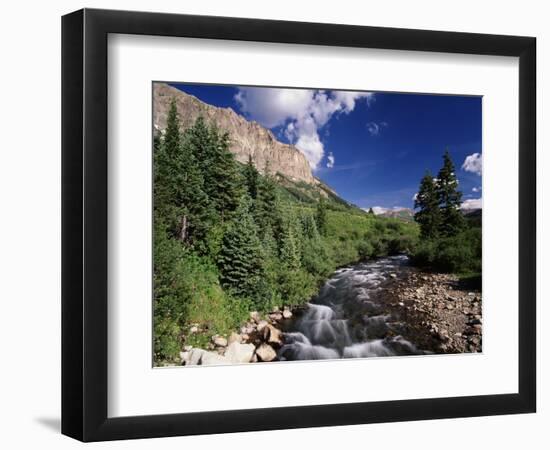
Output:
x=348 y=318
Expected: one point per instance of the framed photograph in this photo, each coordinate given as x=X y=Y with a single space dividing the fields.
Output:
x=273 y=224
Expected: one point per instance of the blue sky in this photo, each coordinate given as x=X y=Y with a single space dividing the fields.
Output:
x=371 y=147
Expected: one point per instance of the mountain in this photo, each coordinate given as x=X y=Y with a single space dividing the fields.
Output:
x=247 y=138
x=396 y=212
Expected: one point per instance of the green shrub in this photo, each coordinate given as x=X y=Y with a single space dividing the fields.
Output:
x=457 y=254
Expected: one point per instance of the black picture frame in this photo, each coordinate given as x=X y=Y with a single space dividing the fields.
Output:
x=84 y=224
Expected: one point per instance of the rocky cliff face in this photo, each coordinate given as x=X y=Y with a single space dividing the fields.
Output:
x=247 y=138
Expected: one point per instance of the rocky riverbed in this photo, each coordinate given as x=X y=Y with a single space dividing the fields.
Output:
x=438 y=313
x=377 y=308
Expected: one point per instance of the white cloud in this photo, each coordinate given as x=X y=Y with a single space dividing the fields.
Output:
x=472 y=203
x=414 y=197
x=375 y=128
x=272 y=107
x=330 y=160
x=476 y=189
x=302 y=111
x=473 y=163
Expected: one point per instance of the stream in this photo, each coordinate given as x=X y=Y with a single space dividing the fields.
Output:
x=348 y=318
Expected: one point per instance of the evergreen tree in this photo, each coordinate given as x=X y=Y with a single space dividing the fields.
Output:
x=269 y=244
x=224 y=185
x=289 y=253
x=321 y=216
x=452 y=220
x=267 y=210
x=251 y=176
x=309 y=227
x=240 y=259
x=180 y=202
x=371 y=212
x=195 y=225
x=199 y=139
x=429 y=216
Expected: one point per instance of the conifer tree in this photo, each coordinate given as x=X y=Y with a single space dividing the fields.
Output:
x=309 y=227
x=194 y=226
x=371 y=212
x=321 y=216
x=427 y=200
x=199 y=138
x=289 y=253
x=240 y=259
x=165 y=172
x=180 y=200
x=251 y=176
x=267 y=210
x=269 y=244
x=452 y=220
x=224 y=185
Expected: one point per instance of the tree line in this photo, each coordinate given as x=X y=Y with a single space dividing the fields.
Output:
x=448 y=242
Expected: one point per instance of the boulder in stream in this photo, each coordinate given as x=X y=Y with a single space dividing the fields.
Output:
x=238 y=353
x=266 y=353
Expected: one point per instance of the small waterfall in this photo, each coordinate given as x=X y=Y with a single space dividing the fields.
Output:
x=346 y=319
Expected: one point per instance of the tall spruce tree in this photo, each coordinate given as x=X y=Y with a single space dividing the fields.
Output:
x=199 y=138
x=180 y=202
x=224 y=185
x=240 y=260
x=195 y=225
x=251 y=176
x=450 y=198
x=429 y=216
x=267 y=210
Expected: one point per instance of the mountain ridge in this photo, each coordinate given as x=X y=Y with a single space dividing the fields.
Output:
x=248 y=138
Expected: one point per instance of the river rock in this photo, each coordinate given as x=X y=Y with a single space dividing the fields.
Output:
x=255 y=316
x=192 y=357
x=275 y=317
x=219 y=341
x=239 y=353
x=261 y=325
x=393 y=275
x=194 y=329
x=234 y=337
x=286 y=313
x=272 y=335
x=213 y=359
x=266 y=353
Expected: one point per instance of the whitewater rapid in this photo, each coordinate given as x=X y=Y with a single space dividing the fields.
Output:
x=348 y=318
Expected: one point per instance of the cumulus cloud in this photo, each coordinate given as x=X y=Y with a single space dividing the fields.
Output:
x=330 y=160
x=476 y=189
x=472 y=203
x=302 y=112
x=473 y=163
